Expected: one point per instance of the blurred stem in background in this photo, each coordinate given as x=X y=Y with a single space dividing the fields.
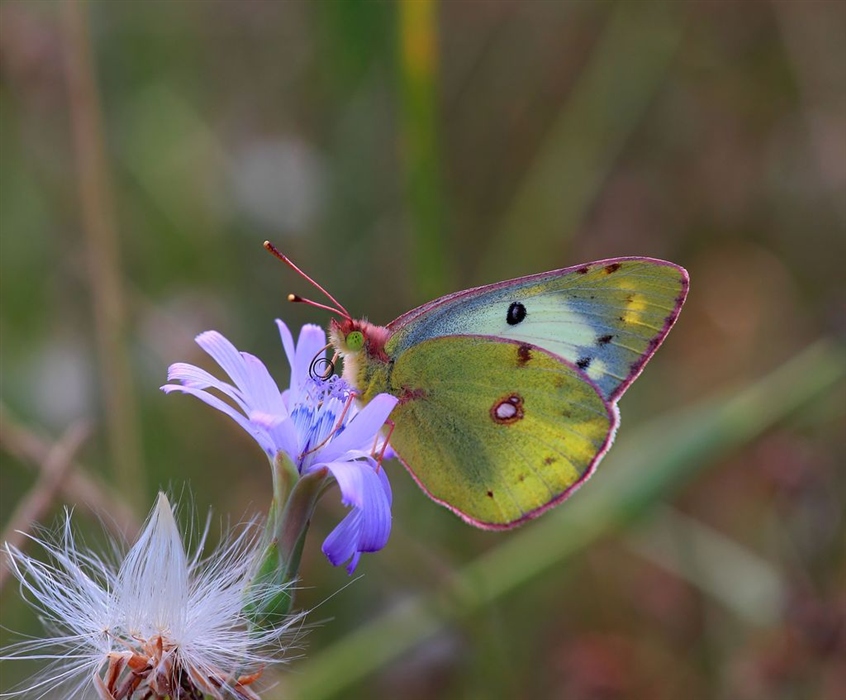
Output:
x=645 y=469
x=420 y=148
x=628 y=66
x=103 y=257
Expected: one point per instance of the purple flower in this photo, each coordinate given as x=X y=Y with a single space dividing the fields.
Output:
x=315 y=423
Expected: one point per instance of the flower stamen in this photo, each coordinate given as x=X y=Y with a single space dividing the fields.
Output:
x=339 y=426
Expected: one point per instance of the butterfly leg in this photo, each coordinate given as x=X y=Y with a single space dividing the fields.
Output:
x=337 y=427
x=391 y=425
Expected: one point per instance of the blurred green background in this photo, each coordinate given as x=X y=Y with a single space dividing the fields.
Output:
x=402 y=150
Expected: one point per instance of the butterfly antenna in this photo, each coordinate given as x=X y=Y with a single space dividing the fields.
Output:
x=337 y=309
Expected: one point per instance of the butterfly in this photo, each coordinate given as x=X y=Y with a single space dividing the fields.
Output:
x=508 y=392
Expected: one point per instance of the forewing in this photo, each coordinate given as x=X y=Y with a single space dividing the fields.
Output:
x=607 y=317
x=498 y=431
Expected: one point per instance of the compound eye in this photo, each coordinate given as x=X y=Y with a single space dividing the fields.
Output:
x=355 y=341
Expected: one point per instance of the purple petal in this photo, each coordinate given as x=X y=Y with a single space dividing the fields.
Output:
x=287 y=341
x=386 y=485
x=259 y=435
x=196 y=378
x=284 y=436
x=368 y=526
x=261 y=389
x=311 y=341
x=342 y=542
x=248 y=373
x=361 y=431
x=353 y=562
x=190 y=375
x=225 y=354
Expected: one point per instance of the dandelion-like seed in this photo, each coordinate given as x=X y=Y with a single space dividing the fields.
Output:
x=158 y=624
x=314 y=426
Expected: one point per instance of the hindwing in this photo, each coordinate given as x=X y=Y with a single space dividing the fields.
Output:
x=496 y=430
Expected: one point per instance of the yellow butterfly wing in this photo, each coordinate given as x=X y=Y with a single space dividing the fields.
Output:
x=496 y=430
x=606 y=317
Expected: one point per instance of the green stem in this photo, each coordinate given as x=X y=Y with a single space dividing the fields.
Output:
x=418 y=44
x=627 y=68
x=293 y=525
x=294 y=498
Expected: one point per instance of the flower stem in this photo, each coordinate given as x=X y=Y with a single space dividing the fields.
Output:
x=294 y=498
x=295 y=518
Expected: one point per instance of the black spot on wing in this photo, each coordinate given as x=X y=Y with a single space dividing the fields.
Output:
x=613 y=267
x=604 y=339
x=524 y=354
x=583 y=362
x=515 y=314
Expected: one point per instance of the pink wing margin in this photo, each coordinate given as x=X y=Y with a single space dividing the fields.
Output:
x=611 y=403
x=537 y=512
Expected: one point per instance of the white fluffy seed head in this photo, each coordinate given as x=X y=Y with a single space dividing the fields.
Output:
x=178 y=616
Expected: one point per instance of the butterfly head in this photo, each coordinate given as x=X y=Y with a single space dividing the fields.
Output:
x=346 y=336
x=350 y=337
x=361 y=345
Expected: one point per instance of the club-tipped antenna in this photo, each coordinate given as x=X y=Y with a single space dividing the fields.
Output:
x=297 y=299
x=337 y=309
